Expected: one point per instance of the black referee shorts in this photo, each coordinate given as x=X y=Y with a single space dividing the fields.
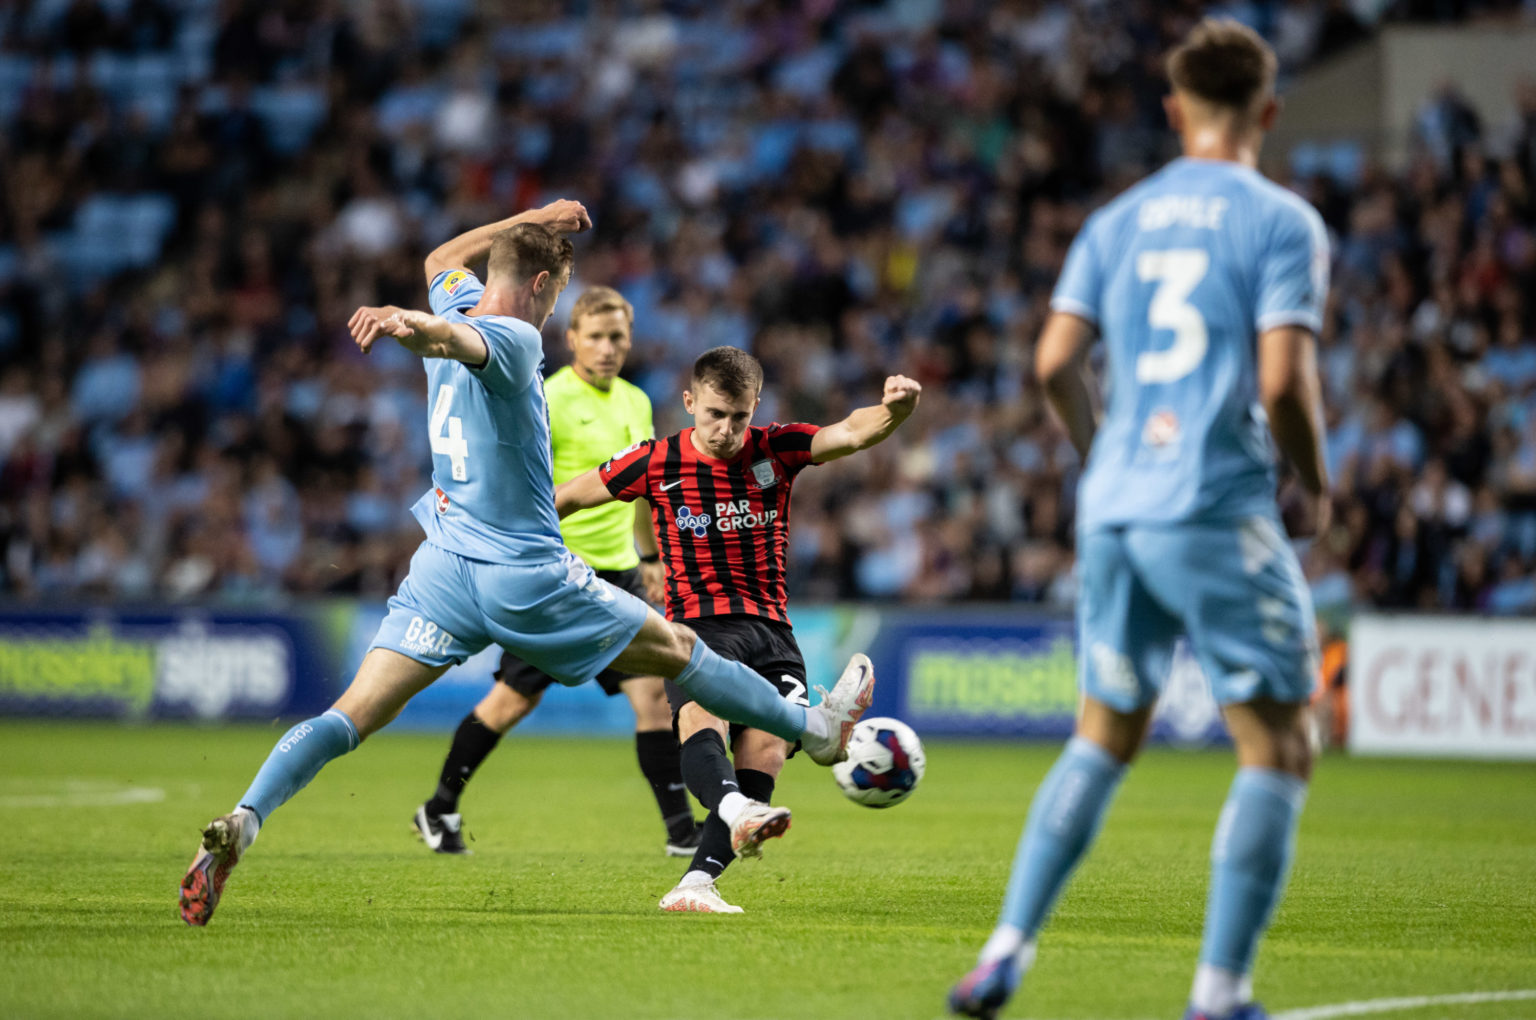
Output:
x=764 y=645
x=530 y=681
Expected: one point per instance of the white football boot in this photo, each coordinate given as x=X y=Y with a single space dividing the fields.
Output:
x=756 y=824
x=842 y=707
x=697 y=898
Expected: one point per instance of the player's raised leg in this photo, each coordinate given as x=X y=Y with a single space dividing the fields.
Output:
x=709 y=774
x=732 y=691
x=384 y=683
x=759 y=759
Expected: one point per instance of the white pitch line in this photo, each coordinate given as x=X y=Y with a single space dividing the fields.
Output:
x=74 y=793
x=1394 y=1005
x=1368 y=1006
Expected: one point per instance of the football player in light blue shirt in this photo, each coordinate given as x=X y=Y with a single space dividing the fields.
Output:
x=493 y=568
x=1206 y=284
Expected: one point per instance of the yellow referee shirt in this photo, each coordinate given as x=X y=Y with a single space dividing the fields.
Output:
x=586 y=427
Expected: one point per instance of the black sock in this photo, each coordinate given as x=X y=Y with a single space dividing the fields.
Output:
x=661 y=762
x=706 y=769
x=714 y=852
x=472 y=741
x=755 y=785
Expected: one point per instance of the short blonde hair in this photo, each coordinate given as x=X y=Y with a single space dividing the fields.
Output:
x=596 y=300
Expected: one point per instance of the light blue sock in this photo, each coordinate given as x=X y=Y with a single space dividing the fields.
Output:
x=1250 y=858
x=1062 y=822
x=732 y=691
x=296 y=759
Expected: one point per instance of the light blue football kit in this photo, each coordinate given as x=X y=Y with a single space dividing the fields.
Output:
x=493 y=568
x=1177 y=529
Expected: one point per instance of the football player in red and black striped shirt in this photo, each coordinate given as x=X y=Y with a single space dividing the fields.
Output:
x=719 y=495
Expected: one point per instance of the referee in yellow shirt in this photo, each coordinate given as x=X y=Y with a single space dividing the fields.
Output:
x=592 y=415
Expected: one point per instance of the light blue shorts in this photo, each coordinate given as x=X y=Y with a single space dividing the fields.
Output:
x=560 y=616
x=1234 y=589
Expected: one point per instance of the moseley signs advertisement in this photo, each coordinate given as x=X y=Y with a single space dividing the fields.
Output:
x=174 y=663
x=1442 y=687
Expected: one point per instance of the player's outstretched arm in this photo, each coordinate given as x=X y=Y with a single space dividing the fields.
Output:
x=1292 y=396
x=566 y=216
x=425 y=335
x=868 y=425
x=583 y=492
x=1061 y=364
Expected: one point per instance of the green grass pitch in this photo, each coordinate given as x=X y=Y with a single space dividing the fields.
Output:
x=1413 y=878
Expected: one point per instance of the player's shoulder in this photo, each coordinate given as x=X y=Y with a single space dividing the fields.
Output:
x=1278 y=207
x=641 y=454
x=506 y=327
x=1296 y=215
x=779 y=428
x=455 y=281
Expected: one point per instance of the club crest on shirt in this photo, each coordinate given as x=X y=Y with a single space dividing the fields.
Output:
x=1161 y=429
x=765 y=474
x=454 y=281
x=442 y=501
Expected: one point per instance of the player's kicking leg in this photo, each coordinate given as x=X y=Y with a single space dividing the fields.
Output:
x=730 y=690
x=759 y=758
x=384 y=683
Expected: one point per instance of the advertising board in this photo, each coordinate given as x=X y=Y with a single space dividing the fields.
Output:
x=1442 y=687
x=171 y=663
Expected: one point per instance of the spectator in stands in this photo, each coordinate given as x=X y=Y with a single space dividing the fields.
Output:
x=840 y=187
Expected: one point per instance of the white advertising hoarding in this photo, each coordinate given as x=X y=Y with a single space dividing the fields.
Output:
x=1442 y=687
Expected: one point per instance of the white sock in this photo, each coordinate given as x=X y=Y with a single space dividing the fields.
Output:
x=731 y=807
x=250 y=825
x=1008 y=940
x=696 y=877
x=1219 y=991
x=816 y=724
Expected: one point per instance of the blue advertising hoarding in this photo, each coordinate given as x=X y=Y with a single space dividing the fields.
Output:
x=962 y=672
x=992 y=672
x=167 y=663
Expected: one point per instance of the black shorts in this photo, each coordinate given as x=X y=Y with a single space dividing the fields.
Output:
x=530 y=681
x=764 y=645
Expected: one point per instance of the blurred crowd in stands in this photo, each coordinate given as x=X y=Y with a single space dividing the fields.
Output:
x=197 y=195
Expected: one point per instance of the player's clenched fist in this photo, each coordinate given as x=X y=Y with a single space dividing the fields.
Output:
x=566 y=216
x=901 y=395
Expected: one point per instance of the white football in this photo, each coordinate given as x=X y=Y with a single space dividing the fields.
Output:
x=885 y=763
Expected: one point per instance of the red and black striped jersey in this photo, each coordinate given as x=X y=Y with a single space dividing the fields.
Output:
x=722 y=525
